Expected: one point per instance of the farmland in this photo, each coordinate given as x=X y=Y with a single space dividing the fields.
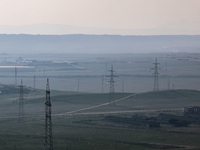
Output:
x=85 y=115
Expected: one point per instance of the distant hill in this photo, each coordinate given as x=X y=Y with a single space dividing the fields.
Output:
x=178 y=28
x=79 y=43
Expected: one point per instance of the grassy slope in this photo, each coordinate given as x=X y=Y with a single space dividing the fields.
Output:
x=171 y=94
x=74 y=136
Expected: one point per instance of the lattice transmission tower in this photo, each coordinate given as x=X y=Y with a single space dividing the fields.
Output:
x=102 y=84
x=168 y=81
x=21 y=103
x=48 y=143
x=15 y=76
x=34 y=82
x=156 y=83
x=112 y=81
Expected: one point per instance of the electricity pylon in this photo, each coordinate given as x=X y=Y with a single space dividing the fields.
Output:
x=112 y=81
x=21 y=103
x=15 y=76
x=34 y=82
x=156 y=83
x=102 y=84
x=48 y=143
x=168 y=81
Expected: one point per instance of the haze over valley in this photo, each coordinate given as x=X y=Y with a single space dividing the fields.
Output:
x=100 y=75
x=28 y=44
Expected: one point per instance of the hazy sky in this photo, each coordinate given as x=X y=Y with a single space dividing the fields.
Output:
x=118 y=14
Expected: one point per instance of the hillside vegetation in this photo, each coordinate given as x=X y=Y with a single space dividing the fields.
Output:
x=79 y=121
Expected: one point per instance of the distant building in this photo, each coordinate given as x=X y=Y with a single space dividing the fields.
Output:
x=19 y=59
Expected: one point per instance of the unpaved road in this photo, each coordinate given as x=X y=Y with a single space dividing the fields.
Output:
x=91 y=107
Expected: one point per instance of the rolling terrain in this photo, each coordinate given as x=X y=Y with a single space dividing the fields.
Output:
x=80 y=121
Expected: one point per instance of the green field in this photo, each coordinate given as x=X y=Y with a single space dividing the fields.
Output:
x=134 y=71
x=79 y=121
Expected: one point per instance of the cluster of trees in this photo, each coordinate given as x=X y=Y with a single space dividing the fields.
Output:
x=179 y=123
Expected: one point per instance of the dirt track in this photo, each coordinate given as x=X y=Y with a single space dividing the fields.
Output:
x=87 y=108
